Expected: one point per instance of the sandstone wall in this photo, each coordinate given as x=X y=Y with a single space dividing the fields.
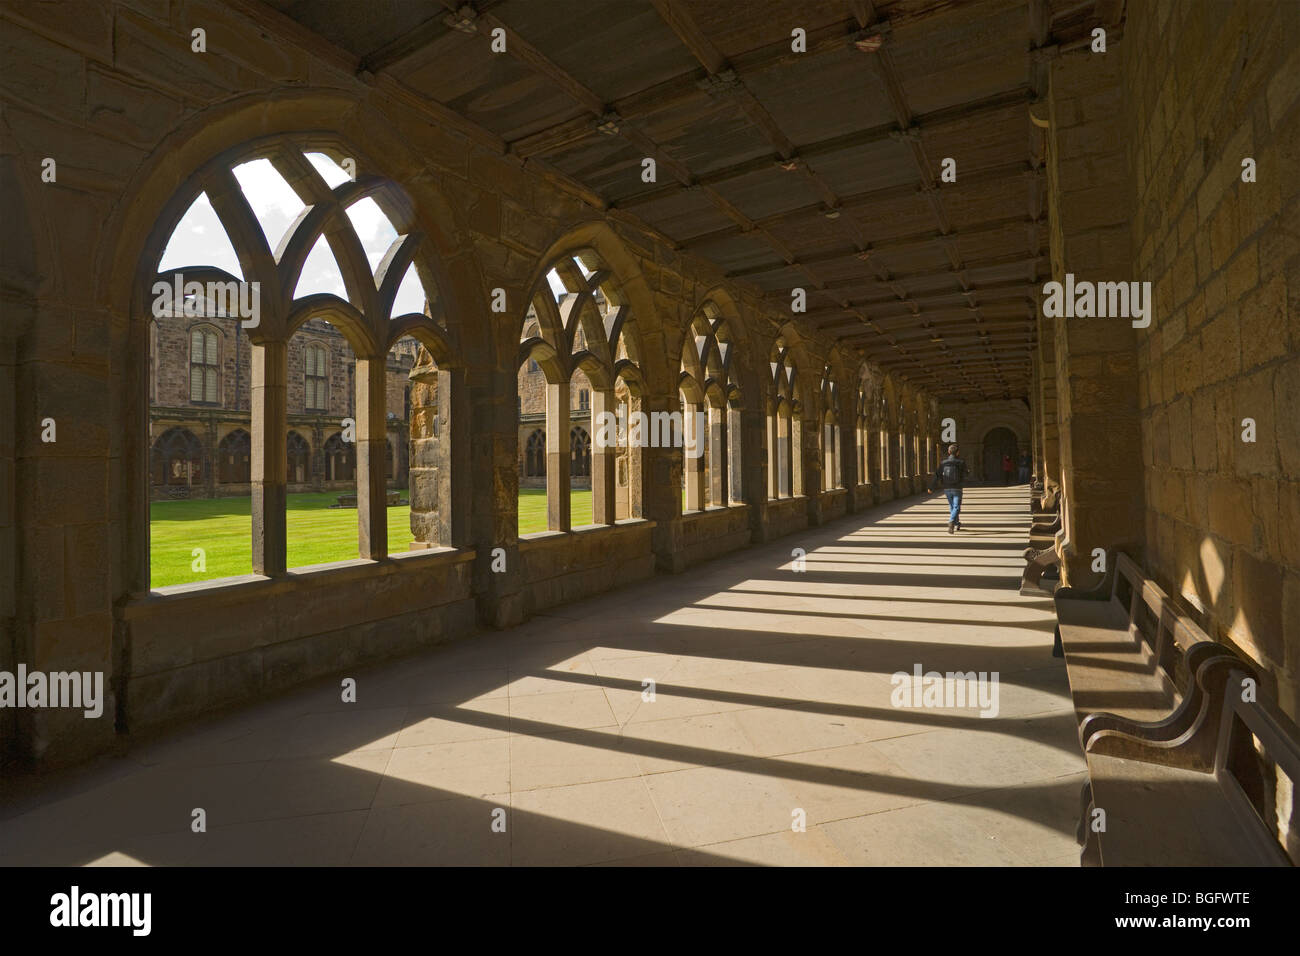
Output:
x=113 y=92
x=1095 y=415
x=1222 y=515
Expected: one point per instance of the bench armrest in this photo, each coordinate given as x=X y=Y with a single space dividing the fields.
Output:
x=1189 y=737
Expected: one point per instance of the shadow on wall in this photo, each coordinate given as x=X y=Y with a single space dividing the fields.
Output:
x=18 y=276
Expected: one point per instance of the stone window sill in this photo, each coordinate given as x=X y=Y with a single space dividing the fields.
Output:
x=345 y=571
x=584 y=529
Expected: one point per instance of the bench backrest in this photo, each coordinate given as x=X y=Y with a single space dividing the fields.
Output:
x=1154 y=620
x=1237 y=761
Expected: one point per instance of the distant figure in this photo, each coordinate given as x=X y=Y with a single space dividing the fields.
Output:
x=1007 y=466
x=1024 y=469
x=950 y=475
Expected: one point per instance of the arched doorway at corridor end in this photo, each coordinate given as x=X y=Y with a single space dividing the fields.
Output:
x=997 y=443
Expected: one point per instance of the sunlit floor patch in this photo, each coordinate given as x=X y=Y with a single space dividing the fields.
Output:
x=741 y=713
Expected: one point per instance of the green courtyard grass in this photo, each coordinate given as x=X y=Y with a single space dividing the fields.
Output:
x=318 y=534
x=532 y=509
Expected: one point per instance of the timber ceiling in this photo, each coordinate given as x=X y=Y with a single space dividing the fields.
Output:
x=818 y=170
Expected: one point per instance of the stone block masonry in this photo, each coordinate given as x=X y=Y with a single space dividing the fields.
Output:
x=134 y=114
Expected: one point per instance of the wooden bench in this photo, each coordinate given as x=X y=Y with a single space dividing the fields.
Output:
x=1170 y=744
x=1035 y=494
x=1162 y=814
x=1040 y=557
x=1039 y=562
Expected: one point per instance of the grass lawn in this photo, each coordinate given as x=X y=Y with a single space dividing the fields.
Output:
x=317 y=533
x=532 y=509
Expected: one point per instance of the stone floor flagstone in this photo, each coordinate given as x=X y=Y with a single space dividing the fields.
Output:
x=772 y=694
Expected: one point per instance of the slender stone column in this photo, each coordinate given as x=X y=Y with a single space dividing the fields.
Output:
x=269 y=461
x=799 y=457
x=717 y=456
x=871 y=452
x=772 y=429
x=695 y=467
x=372 y=441
x=603 y=458
x=636 y=461
x=735 y=455
x=422 y=484
x=558 y=511
x=783 y=454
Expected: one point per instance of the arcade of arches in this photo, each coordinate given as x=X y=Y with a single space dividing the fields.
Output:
x=529 y=283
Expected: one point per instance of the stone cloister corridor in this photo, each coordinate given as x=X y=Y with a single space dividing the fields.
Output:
x=564 y=433
x=772 y=693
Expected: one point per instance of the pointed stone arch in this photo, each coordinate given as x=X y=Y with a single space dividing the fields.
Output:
x=197 y=159
x=587 y=309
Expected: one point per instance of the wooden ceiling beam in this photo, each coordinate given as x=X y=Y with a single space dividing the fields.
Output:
x=1010 y=259
x=859 y=203
x=530 y=56
x=893 y=86
x=678 y=18
x=420 y=37
x=975 y=231
x=999 y=102
x=312 y=43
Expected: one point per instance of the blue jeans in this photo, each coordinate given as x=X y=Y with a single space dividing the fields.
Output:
x=954 y=504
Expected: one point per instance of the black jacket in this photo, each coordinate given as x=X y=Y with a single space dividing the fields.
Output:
x=938 y=473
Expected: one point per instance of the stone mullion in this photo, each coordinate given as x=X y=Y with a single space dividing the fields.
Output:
x=269 y=427
x=603 y=454
x=891 y=451
x=452 y=471
x=696 y=472
x=835 y=479
x=783 y=456
x=737 y=485
x=422 y=486
x=717 y=456
x=798 y=454
x=772 y=431
x=558 y=511
x=371 y=444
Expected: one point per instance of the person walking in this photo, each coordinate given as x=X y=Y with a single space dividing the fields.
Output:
x=1007 y=465
x=950 y=476
x=1024 y=469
